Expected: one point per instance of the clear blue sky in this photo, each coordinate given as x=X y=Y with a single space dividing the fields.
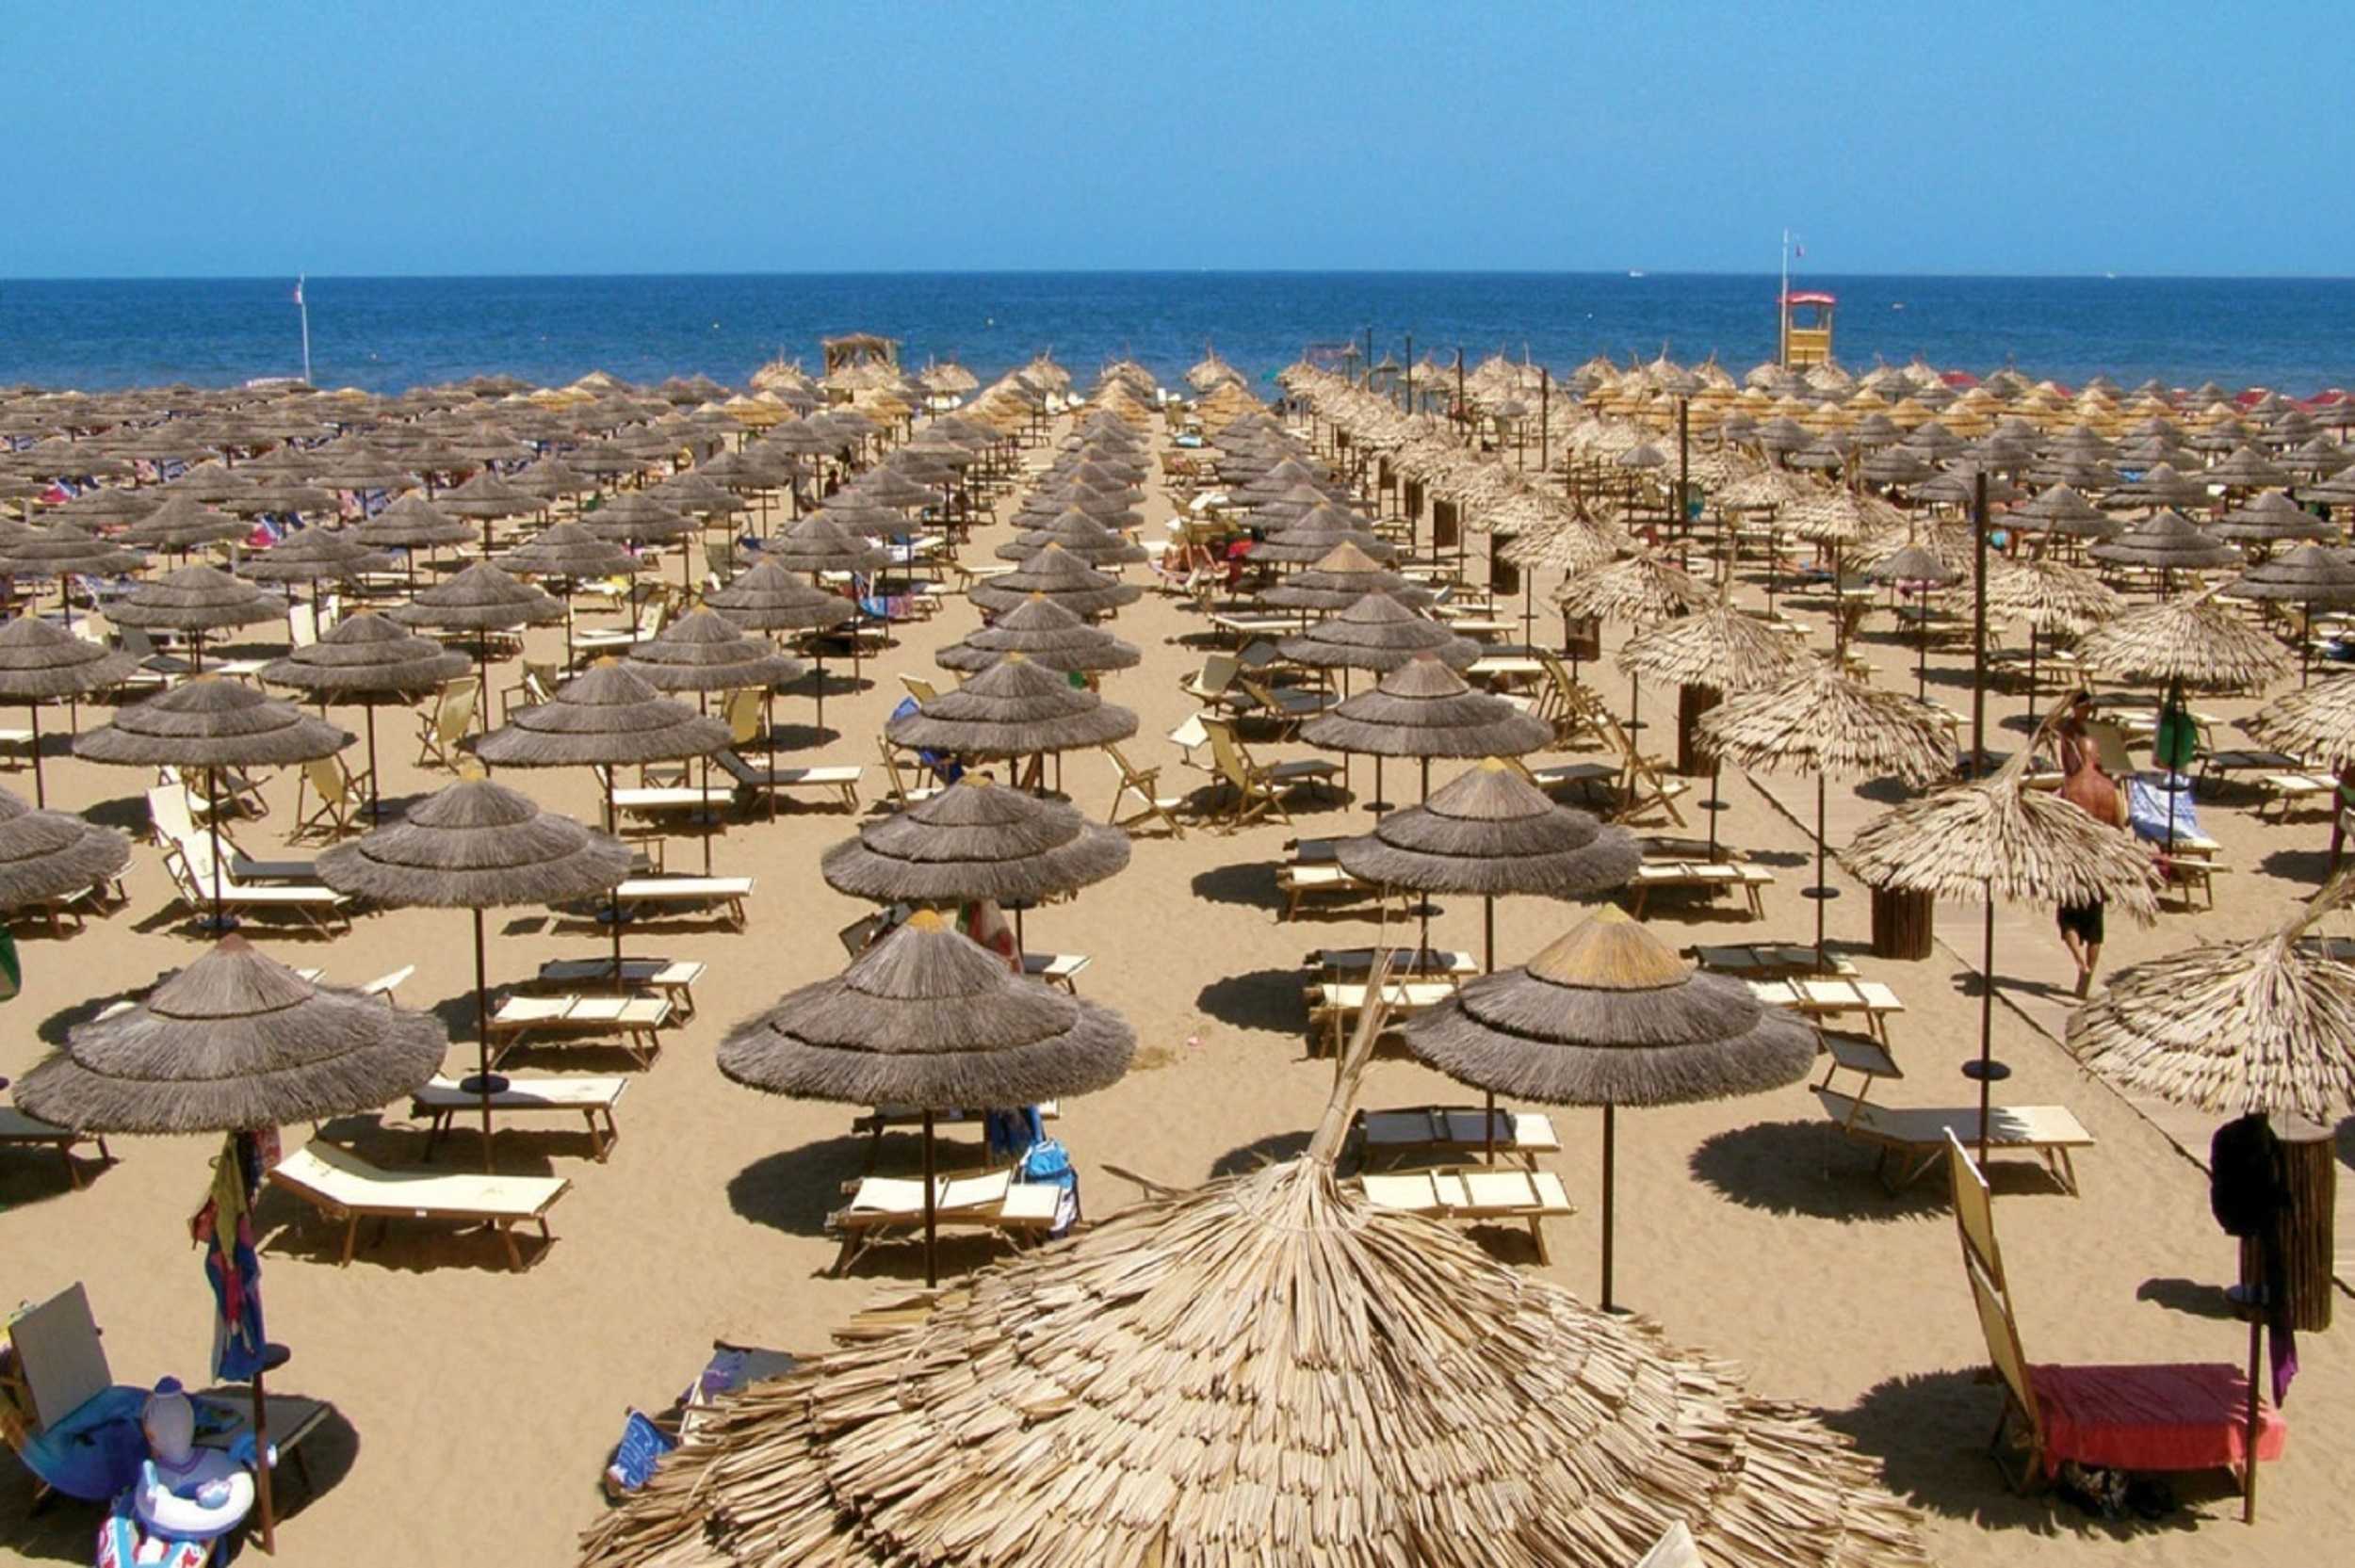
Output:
x=273 y=136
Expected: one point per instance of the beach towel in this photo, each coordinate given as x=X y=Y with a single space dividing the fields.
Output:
x=2147 y=799
x=1048 y=1162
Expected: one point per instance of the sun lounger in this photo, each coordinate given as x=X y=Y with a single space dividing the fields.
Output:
x=2287 y=792
x=752 y=779
x=1299 y=883
x=1766 y=961
x=1910 y=1140
x=1452 y=1133
x=441 y=1101
x=1057 y=968
x=2154 y=1417
x=674 y=895
x=1475 y=1194
x=1333 y=1007
x=1834 y=996
x=884 y=1119
x=1653 y=875
x=1428 y=963
x=326 y=911
x=344 y=1186
x=673 y=978
x=634 y=1021
x=988 y=1200
x=18 y=1130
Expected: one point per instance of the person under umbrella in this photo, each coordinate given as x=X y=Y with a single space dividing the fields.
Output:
x=239 y=1044
x=929 y=1019
x=209 y=724
x=1608 y=1015
x=1996 y=839
x=477 y=846
x=367 y=657
x=703 y=652
x=607 y=719
x=39 y=660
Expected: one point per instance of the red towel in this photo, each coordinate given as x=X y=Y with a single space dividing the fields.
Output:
x=2190 y=1415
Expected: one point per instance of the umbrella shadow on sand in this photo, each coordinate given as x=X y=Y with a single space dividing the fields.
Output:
x=794 y=1189
x=1810 y=1169
x=1250 y=883
x=1930 y=1430
x=1258 y=1000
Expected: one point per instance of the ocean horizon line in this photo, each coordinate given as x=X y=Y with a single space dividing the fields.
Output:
x=1635 y=274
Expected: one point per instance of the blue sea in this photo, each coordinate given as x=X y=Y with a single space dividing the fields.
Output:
x=388 y=334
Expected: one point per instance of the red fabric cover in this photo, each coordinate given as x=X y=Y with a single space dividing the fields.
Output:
x=2188 y=1415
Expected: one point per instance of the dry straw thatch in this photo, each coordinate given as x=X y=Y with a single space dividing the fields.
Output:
x=1641 y=589
x=930 y=1019
x=2050 y=596
x=210 y=722
x=1340 y=578
x=2317 y=723
x=770 y=598
x=1056 y=575
x=477 y=845
x=38 y=660
x=366 y=653
x=1267 y=1369
x=1491 y=831
x=196 y=599
x=1821 y=721
x=2189 y=639
x=568 y=550
x=1044 y=633
x=1080 y=535
x=1718 y=647
x=480 y=598
x=2264 y=1026
x=412 y=523
x=704 y=651
x=976 y=840
x=45 y=854
x=1378 y=632
x=1995 y=838
x=607 y=718
x=1015 y=708
x=1424 y=709
x=235 y=1041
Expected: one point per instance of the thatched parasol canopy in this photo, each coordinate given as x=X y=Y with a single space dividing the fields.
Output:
x=311 y=555
x=1609 y=1015
x=480 y=598
x=1077 y=532
x=1013 y=709
x=1058 y=575
x=1641 y=589
x=1996 y=838
x=40 y=659
x=2169 y=540
x=2269 y=518
x=607 y=718
x=976 y=840
x=412 y=523
x=2050 y=596
x=366 y=655
x=46 y=854
x=1491 y=831
x=2264 y=1026
x=2191 y=639
x=931 y=1019
x=1718 y=647
x=2317 y=723
x=1045 y=633
x=568 y=550
x=233 y=1042
x=477 y=845
x=2308 y=574
x=1267 y=1370
x=1822 y=721
x=1340 y=578
x=209 y=722
x=816 y=545
x=1424 y=709
x=181 y=522
x=771 y=598
x=1378 y=632
x=196 y=599
x=704 y=651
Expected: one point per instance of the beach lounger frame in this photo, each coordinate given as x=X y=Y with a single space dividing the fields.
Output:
x=1911 y=1141
x=300 y=1177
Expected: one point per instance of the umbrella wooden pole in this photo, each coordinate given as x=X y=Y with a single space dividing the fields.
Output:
x=212 y=830
x=1978 y=634
x=932 y=1264
x=2255 y=1309
x=376 y=798
x=262 y=1468
x=612 y=824
x=485 y=1082
x=1610 y=1159
x=41 y=791
x=1822 y=893
x=1489 y=966
x=1986 y=1075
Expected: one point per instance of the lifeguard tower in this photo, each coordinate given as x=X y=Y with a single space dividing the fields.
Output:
x=1805 y=328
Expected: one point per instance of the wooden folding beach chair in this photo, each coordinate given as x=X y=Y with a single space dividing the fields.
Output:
x=441 y=729
x=1256 y=789
x=1144 y=785
x=328 y=798
x=2144 y=1417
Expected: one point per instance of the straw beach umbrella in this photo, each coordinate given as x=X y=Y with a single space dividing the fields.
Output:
x=240 y=1045
x=1996 y=839
x=2169 y=543
x=476 y=846
x=1820 y=722
x=607 y=719
x=1056 y=575
x=703 y=652
x=2051 y=596
x=1380 y=633
x=209 y=724
x=1189 y=1359
x=38 y=660
x=410 y=525
x=975 y=841
x=49 y=854
x=1641 y=589
x=928 y=1018
x=1015 y=708
x=1423 y=709
x=770 y=598
x=195 y=599
x=479 y=599
x=2195 y=641
x=2305 y=576
x=1608 y=1015
x=367 y=657
x=1705 y=655
x=1045 y=633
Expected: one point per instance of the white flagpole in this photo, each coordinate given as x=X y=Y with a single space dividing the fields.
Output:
x=302 y=303
x=1782 y=307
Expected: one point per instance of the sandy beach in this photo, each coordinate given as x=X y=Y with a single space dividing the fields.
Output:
x=475 y=1406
